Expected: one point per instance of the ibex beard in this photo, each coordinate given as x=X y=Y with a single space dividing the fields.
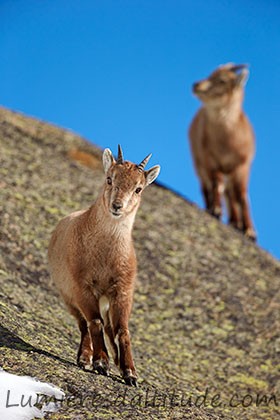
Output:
x=92 y=262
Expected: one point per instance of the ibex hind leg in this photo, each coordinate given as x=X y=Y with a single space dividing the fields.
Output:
x=109 y=340
x=233 y=208
x=240 y=180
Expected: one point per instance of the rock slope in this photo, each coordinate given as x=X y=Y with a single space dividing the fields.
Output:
x=206 y=317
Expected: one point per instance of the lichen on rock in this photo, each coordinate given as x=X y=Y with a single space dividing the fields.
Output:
x=206 y=316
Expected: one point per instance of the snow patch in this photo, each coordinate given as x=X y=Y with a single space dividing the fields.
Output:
x=23 y=397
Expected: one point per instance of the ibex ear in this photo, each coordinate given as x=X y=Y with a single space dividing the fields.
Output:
x=108 y=160
x=152 y=174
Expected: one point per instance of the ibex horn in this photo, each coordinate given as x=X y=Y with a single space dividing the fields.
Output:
x=144 y=162
x=120 y=159
x=239 y=67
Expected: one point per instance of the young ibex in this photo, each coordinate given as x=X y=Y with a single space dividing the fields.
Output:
x=92 y=261
x=222 y=144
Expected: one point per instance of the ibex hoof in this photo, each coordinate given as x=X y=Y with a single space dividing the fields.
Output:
x=130 y=379
x=217 y=213
x=84 y=363
x=251 y=234
x=101 y=367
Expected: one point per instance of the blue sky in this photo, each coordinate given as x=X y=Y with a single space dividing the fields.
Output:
x=121 y=72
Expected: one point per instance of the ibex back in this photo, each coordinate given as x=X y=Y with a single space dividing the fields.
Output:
x=222 y=144
x=92 y=262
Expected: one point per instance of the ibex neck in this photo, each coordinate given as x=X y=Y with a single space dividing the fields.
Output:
x=104 y=221
x=226 y=113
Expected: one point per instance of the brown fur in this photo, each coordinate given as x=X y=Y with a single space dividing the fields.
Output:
x=222 y=144
x=92 y=262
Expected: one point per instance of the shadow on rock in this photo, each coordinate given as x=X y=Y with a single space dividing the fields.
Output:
x=11 y=340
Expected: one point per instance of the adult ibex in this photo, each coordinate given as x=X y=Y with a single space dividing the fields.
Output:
x=222 y=144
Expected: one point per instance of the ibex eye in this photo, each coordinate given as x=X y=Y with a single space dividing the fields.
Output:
x=138 y=190
x=109 y=180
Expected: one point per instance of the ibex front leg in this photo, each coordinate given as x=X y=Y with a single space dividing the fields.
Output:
x=211 y=185
x=100 y=359
x=120 y=309
x=217 y=189
x=85 y=352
